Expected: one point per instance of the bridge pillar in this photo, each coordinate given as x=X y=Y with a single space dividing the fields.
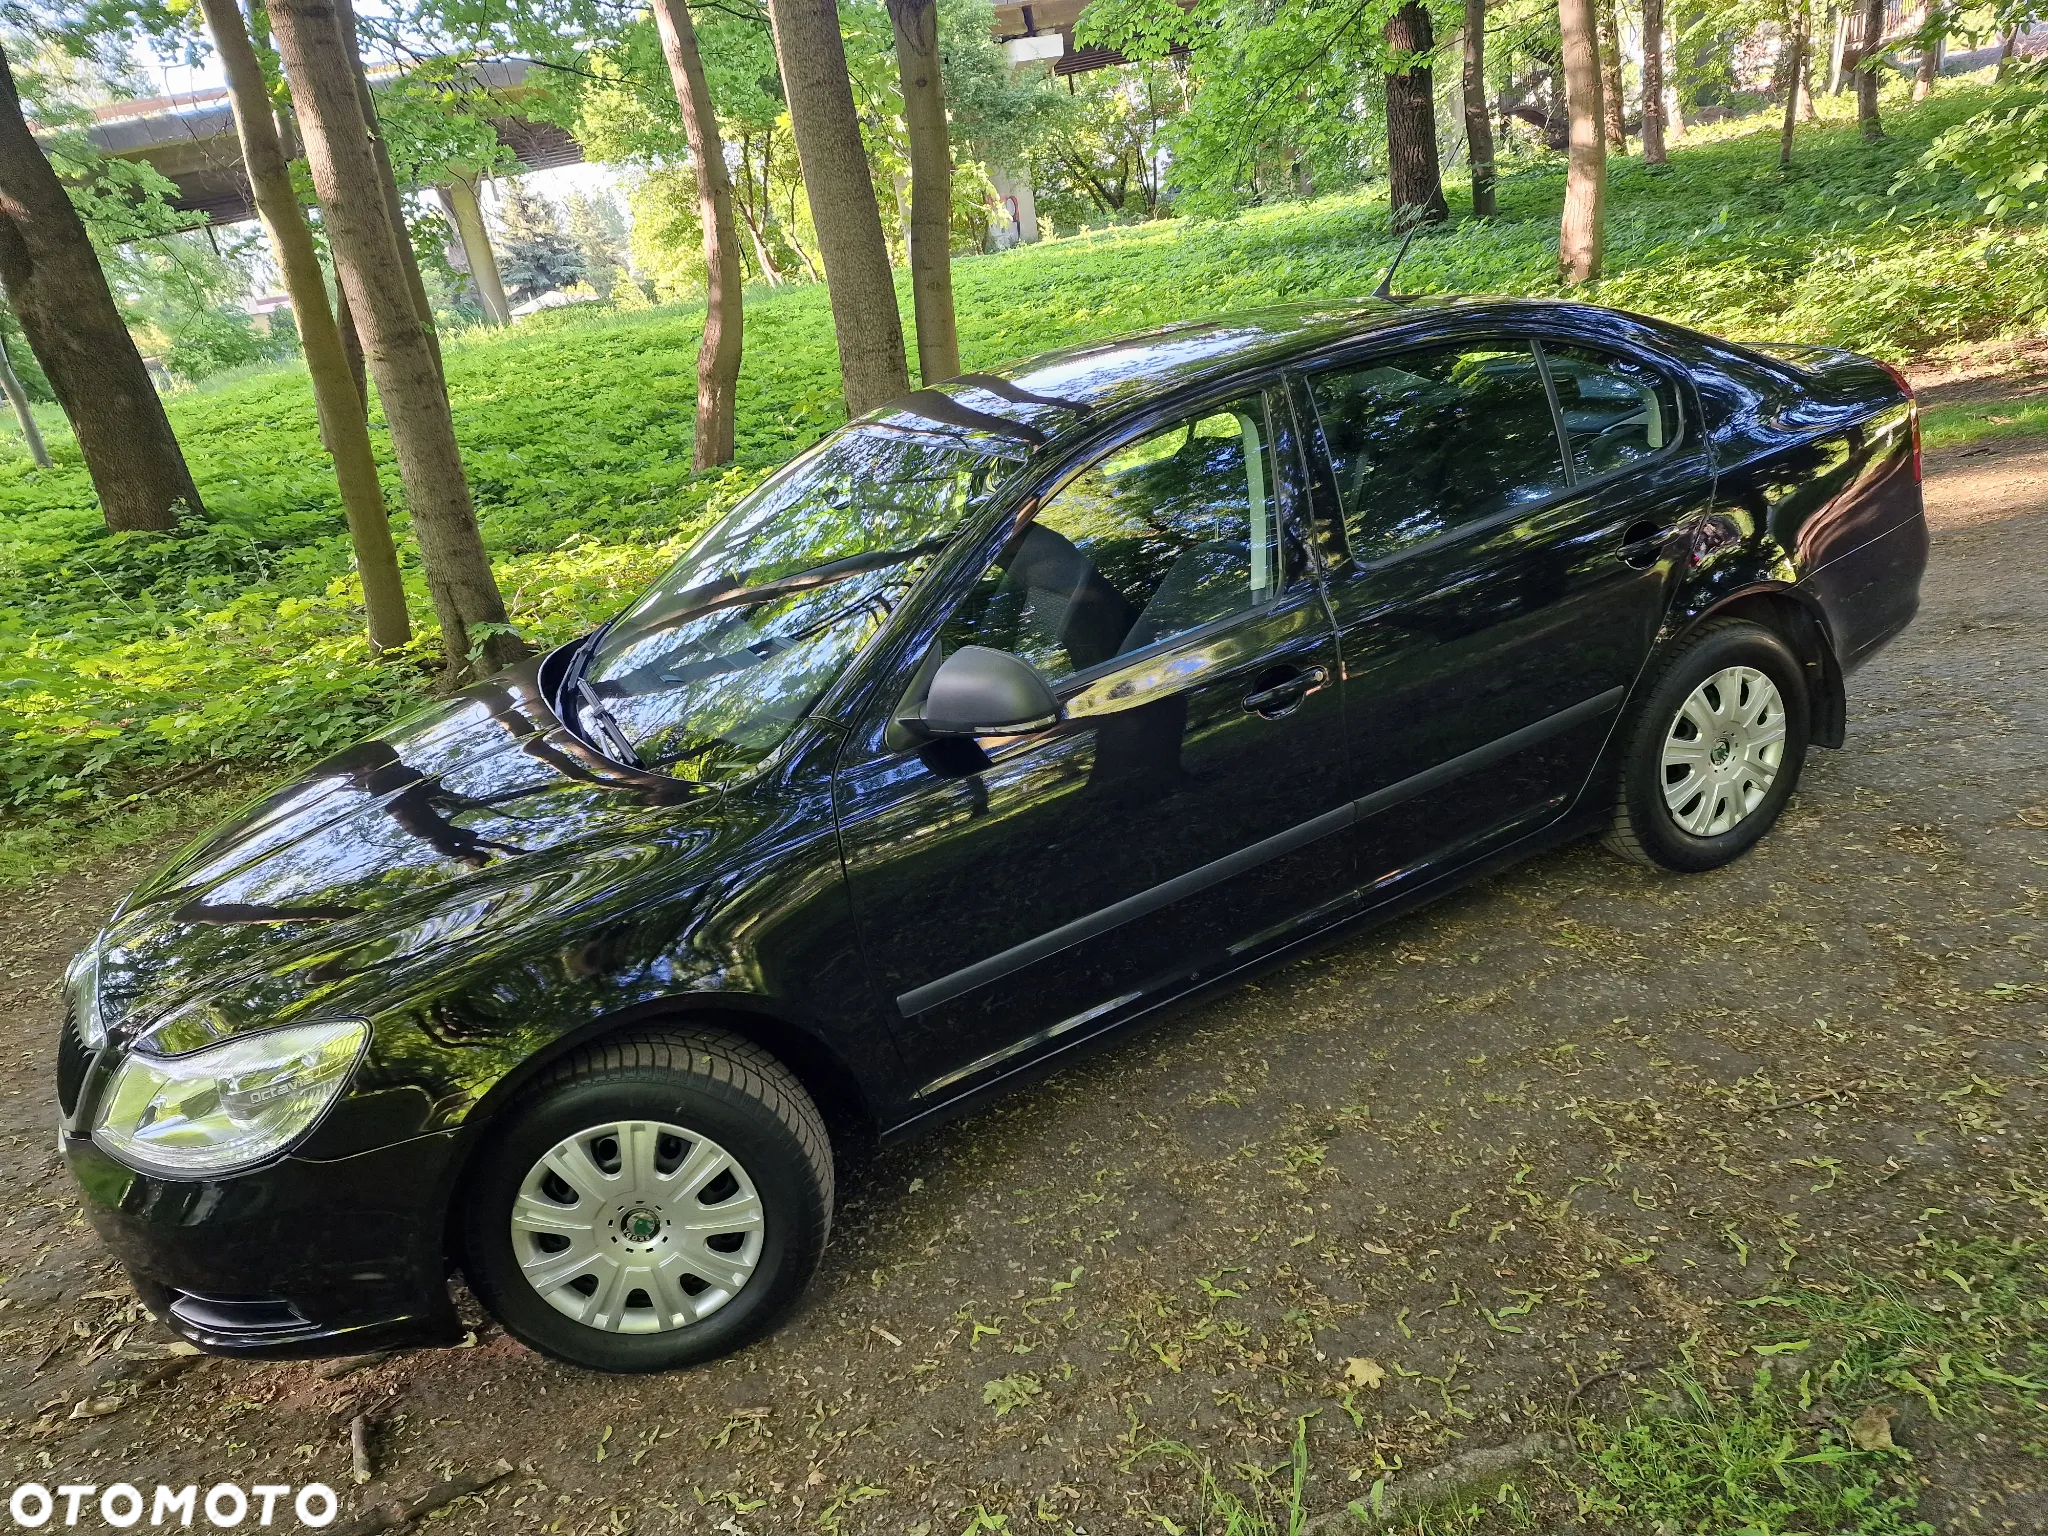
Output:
x=459 y=198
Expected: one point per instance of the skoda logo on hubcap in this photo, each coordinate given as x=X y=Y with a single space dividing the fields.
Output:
x=1723 y=750
x=641 y=1225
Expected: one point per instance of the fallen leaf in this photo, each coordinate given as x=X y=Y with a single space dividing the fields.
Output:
x=2035 y=816
x=1363 y=1371
x=1872 y=1429
x=96 y=1407
x=1385 y=1253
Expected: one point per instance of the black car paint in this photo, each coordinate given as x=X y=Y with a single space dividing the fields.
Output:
x=493 y=892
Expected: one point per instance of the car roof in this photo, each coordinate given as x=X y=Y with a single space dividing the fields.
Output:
x=1035 y=400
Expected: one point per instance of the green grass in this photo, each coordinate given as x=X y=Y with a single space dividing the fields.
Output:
x=1776 y=1442
x=127 y=658
x=1958 y=426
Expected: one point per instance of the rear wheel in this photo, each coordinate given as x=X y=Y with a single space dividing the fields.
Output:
x=656 y=1201
x=1714 y=750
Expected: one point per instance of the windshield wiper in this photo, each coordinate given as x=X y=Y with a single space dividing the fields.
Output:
x=590 y=707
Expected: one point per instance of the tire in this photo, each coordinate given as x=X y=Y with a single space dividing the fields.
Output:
x=697 y=1160
x=1715 y=678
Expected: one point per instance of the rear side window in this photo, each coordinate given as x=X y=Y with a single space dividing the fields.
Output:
x=1617 y=412
x=1428 y=442
x=1165 y=535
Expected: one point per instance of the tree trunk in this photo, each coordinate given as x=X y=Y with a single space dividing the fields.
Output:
x=1614 y=106
x=60 y=296
x=400 y=350
x=351 y=343
x=1581 y=234
x=1797 y=73
x=865 y=320
x=1478 y=121
x=1414 y=179
x=394 y=200
x=718 y=354
x=1653 y=82
x=2006 y=50
x=1866 y=70
x=929 y=231
x=1930 y=58
x=343 y=427
x=24 y=413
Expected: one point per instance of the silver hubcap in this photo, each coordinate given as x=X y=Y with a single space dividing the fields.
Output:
x=637 y=1227
x=1723 y=750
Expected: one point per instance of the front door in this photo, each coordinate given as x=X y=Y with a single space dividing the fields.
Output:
x=1018 y=894
x=1507 y=507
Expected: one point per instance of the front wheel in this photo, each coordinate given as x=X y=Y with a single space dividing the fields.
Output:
x=658 y=1200
x=1714 y=750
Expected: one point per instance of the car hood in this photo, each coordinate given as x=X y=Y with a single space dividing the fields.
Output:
x=396 y=847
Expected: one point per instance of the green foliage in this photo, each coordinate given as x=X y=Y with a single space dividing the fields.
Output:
x=2002 y=153
x=127 y=658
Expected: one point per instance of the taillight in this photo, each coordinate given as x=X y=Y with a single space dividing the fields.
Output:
x=1913 y=403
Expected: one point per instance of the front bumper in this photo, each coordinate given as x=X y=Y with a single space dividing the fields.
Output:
x=301 y=1258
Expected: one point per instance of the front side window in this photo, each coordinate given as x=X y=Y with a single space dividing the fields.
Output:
x=1617 y=411
x=1429 y=442
x=711 y=668
x=1165 y=535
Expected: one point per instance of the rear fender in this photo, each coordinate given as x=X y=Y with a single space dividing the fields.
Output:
x=1792 y=614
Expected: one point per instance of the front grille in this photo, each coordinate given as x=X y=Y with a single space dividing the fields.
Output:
x=73 y=1058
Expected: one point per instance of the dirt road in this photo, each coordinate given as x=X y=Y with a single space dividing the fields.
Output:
x=1556 y=1124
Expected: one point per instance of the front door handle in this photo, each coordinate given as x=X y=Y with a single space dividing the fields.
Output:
x=1282 y=688
x=1642 y=543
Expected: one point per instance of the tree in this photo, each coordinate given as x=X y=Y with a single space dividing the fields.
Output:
x=930 y=235
x=340 y=152
x=1414 y=179
x=1099 y=153
x=1653 y=82
x=842 y=199
x=343 y=426
x=1801 y=20
x=718 y=353
x=598 y=231
x=1612 y=101
x=1866 y=71
x=1933 y=29
x=387 y=179
x=59 y=294
x=1478 y=119
x=24 y=414
x=1581 y=233
x=534 y=255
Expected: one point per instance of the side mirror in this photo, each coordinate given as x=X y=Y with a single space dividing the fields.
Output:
x=981 y=692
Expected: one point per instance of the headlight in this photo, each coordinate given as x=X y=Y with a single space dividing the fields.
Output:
x=82 y=995
x=230 y=1105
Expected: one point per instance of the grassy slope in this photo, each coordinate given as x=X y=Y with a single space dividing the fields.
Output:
x=237 y=641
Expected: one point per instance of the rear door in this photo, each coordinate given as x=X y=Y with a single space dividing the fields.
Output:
x=1508 y=510
x=1020 y=893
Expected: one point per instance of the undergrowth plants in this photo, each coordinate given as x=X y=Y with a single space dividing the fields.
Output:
x=125 y=659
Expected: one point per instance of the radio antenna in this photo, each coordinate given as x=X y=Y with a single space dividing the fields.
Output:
x=1385 y=290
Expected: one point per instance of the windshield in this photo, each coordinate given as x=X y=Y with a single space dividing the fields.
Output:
x=722 y=656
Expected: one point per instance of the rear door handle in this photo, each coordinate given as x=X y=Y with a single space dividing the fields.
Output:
x=1283 y=688
x=1642 y=543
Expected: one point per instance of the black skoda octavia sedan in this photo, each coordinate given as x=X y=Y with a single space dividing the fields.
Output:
x=1018 y=708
